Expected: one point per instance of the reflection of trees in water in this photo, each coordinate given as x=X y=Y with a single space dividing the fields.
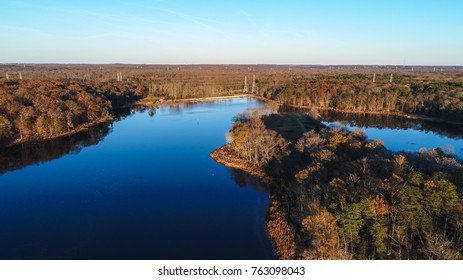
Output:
x=34 y=152
x=188 y=106
x=243 y=179
x=276 y=222
x=175 y=109
x=22 y=155
x=152 y=112
x=386 y=121
x=124 y=112
x=283 y=196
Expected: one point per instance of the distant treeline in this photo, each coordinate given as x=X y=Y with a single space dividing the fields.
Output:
x=44 y=108
x=356 y=93
x=37 y=108
x=336 y=195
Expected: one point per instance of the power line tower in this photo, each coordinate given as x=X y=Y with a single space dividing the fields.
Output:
x=254 y=86
x=245 y=89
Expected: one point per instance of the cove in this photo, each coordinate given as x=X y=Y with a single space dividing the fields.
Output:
x=401 y=134
x=143 y=187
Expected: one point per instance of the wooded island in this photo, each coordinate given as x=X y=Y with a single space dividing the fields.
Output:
x=334 y=193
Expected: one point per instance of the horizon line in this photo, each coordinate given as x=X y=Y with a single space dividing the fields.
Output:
x=225 y=64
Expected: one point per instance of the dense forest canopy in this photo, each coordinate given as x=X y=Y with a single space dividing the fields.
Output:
x=43 y=101
x=336 y=195
x=341 y=196
x=356 y=94
x=33 y=109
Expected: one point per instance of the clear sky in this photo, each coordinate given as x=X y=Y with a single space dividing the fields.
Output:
x=186 y=31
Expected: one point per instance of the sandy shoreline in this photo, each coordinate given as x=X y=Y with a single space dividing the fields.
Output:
x=146 y=102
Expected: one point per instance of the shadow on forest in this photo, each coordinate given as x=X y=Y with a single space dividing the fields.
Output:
x=385 y=121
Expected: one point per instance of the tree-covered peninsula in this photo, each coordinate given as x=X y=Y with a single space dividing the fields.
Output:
x=337 y=195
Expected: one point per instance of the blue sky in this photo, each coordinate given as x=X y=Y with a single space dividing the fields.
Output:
x=281 y=32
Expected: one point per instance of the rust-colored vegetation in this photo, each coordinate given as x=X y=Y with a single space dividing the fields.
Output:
x=52 y=100
x=336 y=195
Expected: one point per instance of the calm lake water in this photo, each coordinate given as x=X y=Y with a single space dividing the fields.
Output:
x=400 y=134
x=141 y=188
x=144 y=187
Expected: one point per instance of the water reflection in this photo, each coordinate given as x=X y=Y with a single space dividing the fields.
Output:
x=148 y=191
x=384 y=121
x=392 y=122
x=36 y=152
x=397 y=133
x=244 y=179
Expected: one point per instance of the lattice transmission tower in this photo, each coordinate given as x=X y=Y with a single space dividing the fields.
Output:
x=254 y=86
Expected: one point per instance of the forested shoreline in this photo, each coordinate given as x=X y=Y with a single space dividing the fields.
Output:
x=50 y=101
x=336 y=195
x=42 y=109
x=357 y=94
x=37 y=109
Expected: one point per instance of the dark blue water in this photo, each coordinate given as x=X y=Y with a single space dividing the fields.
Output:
x=147 y=190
